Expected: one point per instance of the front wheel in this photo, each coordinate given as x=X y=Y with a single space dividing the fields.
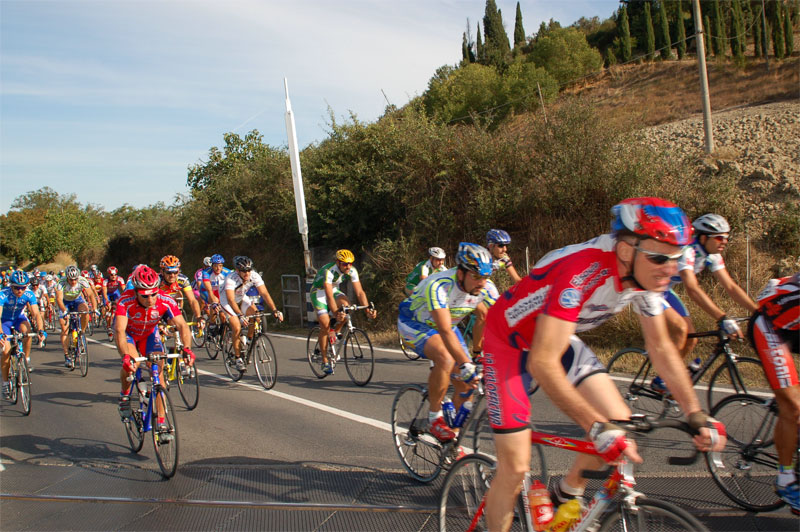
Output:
x=407 y=351
x=750 y=459
x=419 y=451
x=13 y=389
x=24 y=385
x=313 y=354
x=265 y=361
x=188 y=384
x=82 y=356
x=213 y=335
x=134 y=425
x=166 y=441
x=198 y=335
x=746 y=375
x=650 y=514
x=229 y=356
x=359 y=358
x=633 y=374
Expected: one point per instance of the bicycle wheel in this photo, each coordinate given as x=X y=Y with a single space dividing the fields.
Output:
x=90 y=326
x=407 y=351
x=650 y=515
x=23 y=382
x=198 y=335
x=745 y=376
x=13 y=369
x=134 y=425
x=631 y=371
x=82 y=356
x=750 y=457
x=313 y=355
x=419 y=451
x=265 y=361
x=166 y=442
x=213 y=334
x=188 y=385
x=461 y=504
x=359 y=358
x=229 y=356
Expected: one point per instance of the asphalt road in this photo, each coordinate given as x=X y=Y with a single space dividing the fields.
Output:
x=307 y=447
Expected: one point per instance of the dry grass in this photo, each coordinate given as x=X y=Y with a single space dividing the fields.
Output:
x=61 y=261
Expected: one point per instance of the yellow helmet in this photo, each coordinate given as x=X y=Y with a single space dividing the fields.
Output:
x=345 y=255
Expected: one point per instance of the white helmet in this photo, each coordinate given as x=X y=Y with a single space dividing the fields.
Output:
x=711 y=224
x=207 y=262
x=436 y=253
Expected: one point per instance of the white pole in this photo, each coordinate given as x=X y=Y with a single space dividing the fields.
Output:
x=297 y=181
x=701 y=64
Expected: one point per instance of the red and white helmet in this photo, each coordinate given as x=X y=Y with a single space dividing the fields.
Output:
x=111 y=271
x=145 y=280
x=653 y=218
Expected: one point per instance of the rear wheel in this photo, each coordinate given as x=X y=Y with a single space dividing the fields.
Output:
x=313 y=355
x=134 y=425
x=407 y=351
x=213 y=335
x=23 y=382
x=82 y=356
x=166 y=441
x=633 y=374
x=419 y=450
x=13 y=369
x=746 y=375
x=265 y=361
x=189 y=384
x=750 y=459
x=229 y=356
x=359 y=359
x=647 y=515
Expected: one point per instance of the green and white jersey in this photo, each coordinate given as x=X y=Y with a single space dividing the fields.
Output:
x=330 y=274
x=71 y=293
x=423 y=268
x=441 y=290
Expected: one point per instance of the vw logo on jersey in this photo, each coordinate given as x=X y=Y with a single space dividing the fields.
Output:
x=569 y=298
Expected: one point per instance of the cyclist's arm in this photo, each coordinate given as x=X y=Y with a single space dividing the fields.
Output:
x=38 y=317
x=60 y=300
x=362 y=298
x=444 y=324
x=734 y=290
x=332 y=304
x=120 y=334
x=264 y=293
x=231 y=297
x=477 y=328
x=193 y=302
x=210 y=291
x=183 y=329
x=699 y=296
x=512 y=271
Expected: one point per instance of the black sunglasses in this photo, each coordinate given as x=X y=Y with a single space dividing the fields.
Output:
x=660 y=258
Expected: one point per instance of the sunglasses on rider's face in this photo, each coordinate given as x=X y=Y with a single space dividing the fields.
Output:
x=721 y=238
x=149 y=296
x=19 y=288
x=660 y=258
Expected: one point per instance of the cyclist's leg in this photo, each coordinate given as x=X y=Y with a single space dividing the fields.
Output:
x=23 y=325
x=320 y=304
x=342 y=301
x=152 y=344
x=133 y=349
x=65 y=330
x=6 y=358
x=83 y=307
x=248 y=309
x=439 y=375
x=236 y=326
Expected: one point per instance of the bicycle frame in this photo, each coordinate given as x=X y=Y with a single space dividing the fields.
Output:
x=153 y=387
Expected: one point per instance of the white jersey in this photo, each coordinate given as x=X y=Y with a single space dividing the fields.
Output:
x=239 y=287
x=696 y=258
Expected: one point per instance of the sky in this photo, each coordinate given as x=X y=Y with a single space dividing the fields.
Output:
x=112 y=100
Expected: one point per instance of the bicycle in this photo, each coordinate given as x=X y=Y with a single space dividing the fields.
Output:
x=259 y=349
x=144 y=409
x=18 y=374
x=633 y=374
x=179 y=370
x=50 y=317
x=750 y=458
x=616 y=505
x=353 y=344
x=77 y=351
x=408 y=351
x=213 y=337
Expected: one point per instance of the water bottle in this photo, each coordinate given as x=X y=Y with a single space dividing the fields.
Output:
x=142 y=389
x=540 y=505
x=463 y=412
x=448 y=411
x=567 y=513
x=694 y=367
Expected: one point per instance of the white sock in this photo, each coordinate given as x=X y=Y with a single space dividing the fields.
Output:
x=569 y=490
x=433 y=415
x=785 y=475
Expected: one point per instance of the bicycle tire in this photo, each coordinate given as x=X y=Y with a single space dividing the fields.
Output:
x=651 y=515
x=312 y=354
x=632 y=373
x=13 y=369
x=463 y=493
x=89 y=327
x=750 y=457
x=198 y=335
x=189 y=385
x=83 y=355
x=213 y=343
x=134 y=425
x=419 y=451
x=166 y=449
x=359 y=357
x=229 y=357
x=746 y=369
x=23 y=382
x=265 y=361
x=407 y=351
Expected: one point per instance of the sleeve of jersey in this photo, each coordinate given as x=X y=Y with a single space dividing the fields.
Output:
x=436 y=294
x=649 y=304
x=353 y=275
x=122 y=307
x=716 y=262
x=566 y=296
x=171 y=307
x=329 y=276
x=687 y=261
x=490 y=294
x=257 y=280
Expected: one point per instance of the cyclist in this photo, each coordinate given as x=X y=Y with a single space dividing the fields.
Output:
x=428 y=322
x=13 y=300
x=69 y=298
x=212 y=280
x=112 y=291
x=433 y=264
x=177 y=285
x=713 y=232
x=775 y=334
x=497 y=242
x=530 y=334
x=136 y=332
x=197 y=280
x=235 y=301
x=326 y=297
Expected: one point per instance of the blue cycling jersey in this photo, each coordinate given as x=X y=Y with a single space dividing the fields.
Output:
x=13 y=305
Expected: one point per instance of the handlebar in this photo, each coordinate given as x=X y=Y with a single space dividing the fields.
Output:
x=350 y=308
x=717 y=333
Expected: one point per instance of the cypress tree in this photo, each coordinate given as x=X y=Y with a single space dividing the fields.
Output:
x=719 y=31
x=788 y=31
x=611 y=59
x=650 y=34
x=737 y=28
x=755 y=20
x=665 y=43
x=519 y=31
x=464 y=49
x=707 y=30
x=497 y=45
x=624 y=34
x=479 y=48
x=778 y=42
x=681 y=30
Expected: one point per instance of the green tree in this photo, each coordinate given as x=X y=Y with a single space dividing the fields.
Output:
x=720 y=35
x=498 y=48
x=565 y=54
x=708 y=35
x=738 y=31
x=650 y=36
x=664 y=41
x=69 y=229
x=610 y=59
x=464 y=48
x=519 y=30
x=778 y=41
x=480 y=50
x=758 y=36
x=458 y=94
x=788 y=30
x=624 y=35
x=681 y=32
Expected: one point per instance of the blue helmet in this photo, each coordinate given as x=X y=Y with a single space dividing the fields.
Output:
x=19 y=278
x=474 y=258
x=217 y=259
x=497 y=236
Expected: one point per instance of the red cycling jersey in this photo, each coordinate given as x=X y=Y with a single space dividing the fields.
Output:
x=115 y=284
x=142 y=321
x=775 y=330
